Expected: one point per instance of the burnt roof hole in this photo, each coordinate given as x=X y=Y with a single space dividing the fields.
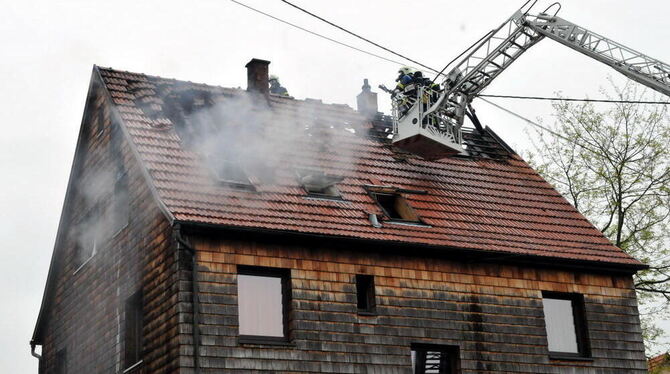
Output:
x=149 y=101
x=182 y=106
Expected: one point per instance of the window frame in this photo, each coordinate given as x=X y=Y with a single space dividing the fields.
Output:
x=99 y=129
x=269 y=272
x=120 y=207
x=334 y=193
x=398 y=198
x=366 y=283
x=329 y=192
x=94 y=239
x=134 y=314
x=218 y=165
x=452 y=352
x=580 y=323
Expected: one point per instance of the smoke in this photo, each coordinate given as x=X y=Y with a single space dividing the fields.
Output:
x=105 y=199
x=101 y=210
x=266 y=140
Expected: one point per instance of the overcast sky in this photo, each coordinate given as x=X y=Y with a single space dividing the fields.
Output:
x=48 y=48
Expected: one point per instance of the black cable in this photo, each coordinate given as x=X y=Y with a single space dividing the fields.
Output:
x=359 y=37
x=574 y=99
x=459 y=56
x=552 y=132
x=316 y=34
x=479 y=41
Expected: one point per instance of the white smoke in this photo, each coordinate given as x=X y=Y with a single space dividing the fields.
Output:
x=265 y=139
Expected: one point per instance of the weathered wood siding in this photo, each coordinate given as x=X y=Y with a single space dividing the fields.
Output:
x=86 y=317
x=493 y=313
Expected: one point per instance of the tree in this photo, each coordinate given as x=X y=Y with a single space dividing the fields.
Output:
x=612 y=162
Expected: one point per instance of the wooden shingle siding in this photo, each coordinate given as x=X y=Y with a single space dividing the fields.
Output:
x=87 y=313
x=493 y=313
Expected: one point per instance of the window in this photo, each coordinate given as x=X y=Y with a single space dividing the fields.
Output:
x=230 y=172
x=120 y=210
x=263 y=298
x=100 y=122
x=365 y=293
x=133 y=336
x=395 y=207
x=61 y=362
x=319 y=184
x=565 y=324
x=89 y=236
x=435 y=359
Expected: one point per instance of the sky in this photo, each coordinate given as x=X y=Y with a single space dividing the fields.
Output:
x=48 y=48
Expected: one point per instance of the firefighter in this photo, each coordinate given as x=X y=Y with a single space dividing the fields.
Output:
x=405 y=78
x=405 y=90
x=276 y=87
x=432 y=88
x=430 y=95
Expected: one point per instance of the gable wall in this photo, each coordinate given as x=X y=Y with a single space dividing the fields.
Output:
x=86 y=317
x=493 y=313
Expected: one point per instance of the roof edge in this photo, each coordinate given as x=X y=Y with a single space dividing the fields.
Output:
x=116 y=116
x=96 y=82
x=464 y=254
x=48 y=288
x=500 y=141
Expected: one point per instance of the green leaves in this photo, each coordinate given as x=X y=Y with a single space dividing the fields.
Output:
x=615 y=169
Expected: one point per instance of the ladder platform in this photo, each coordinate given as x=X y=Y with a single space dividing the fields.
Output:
x=426 y=147
x=426 y=140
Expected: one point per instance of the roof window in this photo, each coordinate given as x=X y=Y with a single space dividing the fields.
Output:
x=320 y=184
x=231 y=173
x=395 y=207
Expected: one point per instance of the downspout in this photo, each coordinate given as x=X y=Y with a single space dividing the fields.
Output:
x=33 y=344
x=194 y=292
x=32 y=351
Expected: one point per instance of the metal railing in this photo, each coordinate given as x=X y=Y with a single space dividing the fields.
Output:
x=409 y=109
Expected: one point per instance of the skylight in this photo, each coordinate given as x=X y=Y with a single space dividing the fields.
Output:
x=395 y=207
x=319 y=184
x=230 y=172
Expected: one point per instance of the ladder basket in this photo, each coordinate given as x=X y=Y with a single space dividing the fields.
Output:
x=431 y=136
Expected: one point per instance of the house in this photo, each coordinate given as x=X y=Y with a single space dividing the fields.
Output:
x=660 y=364
x=209 y=229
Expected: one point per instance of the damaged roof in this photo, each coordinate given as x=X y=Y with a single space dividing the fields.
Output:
x=479 y=203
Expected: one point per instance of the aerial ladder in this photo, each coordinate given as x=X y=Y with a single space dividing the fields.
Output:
x=429 y=122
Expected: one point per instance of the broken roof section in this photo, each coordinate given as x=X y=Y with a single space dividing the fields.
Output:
x=494 y=204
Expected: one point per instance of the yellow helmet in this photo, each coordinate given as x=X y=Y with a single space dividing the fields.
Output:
x=405 y=70
x=274 y=78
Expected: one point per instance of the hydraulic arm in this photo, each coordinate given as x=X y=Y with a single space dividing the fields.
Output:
x=432 y=119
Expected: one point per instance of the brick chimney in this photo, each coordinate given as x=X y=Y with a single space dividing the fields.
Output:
x=257 y=76
x=367 y=101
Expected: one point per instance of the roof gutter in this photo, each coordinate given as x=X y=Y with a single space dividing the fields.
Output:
x=32 y=351
x=449 y=252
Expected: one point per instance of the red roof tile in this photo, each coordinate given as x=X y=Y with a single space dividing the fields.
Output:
x=471 y=203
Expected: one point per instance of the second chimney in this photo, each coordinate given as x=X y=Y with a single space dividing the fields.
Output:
x=257 y=76
x=367 y=101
